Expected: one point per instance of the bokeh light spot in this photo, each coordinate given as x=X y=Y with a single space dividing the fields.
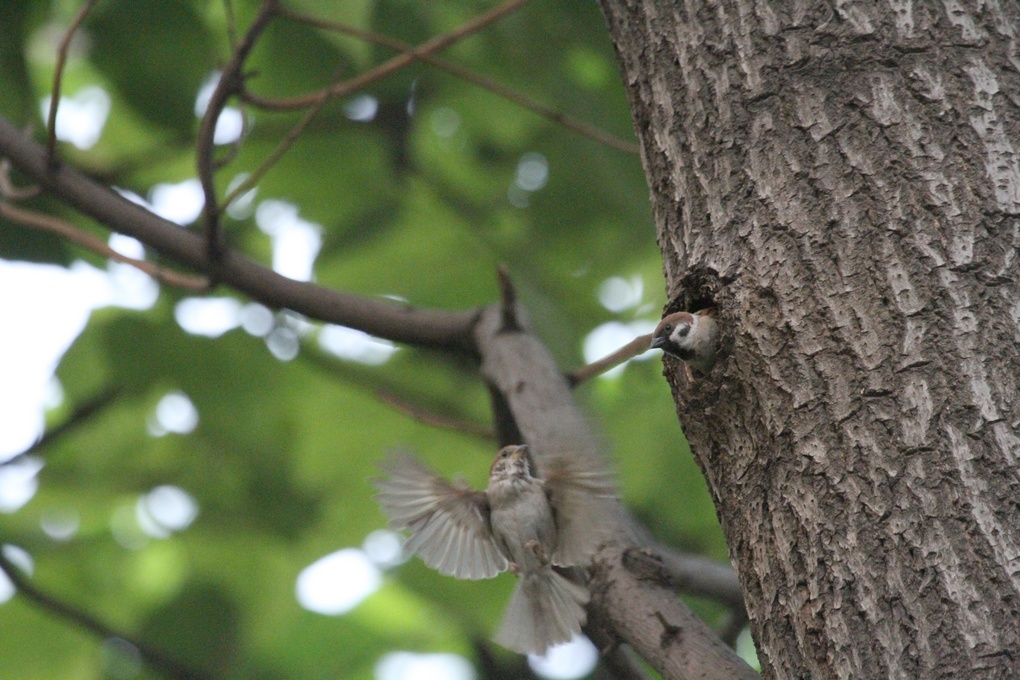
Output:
x=18 y=482
x=283 y=343
x=617 y=294
x=174 y=413
x=296 y=242
x=532 y=171
x=361 y=108
x=411 y=666
x=609 y=337
x=574 y=659
x=180 y=203
x=445 y=122
x=385 y=548
x=169 y=508
x=230 y=124
x=60 y=524
x=355 y=345
x=81 y=116
x=257 y=319
x=338 y=582
x=208 y=316
x=20 y=558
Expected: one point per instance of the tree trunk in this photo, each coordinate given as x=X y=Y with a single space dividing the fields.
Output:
x=843 y=183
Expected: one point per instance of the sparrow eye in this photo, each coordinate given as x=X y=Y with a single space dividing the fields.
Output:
x=668 y=328
x=505 y=454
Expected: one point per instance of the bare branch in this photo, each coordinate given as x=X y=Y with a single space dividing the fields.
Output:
x=395 y=64
x=55 y=225
x=636 y=346
x=230 y=82
x=537 y=396
x=631 y=590
x=80 y=415
x=435 y=419
x=58 y=76
x=700 y=576
x=621 y=660
x=161 y=662
x=376 y=316
x=317 y=100
x=470 y=76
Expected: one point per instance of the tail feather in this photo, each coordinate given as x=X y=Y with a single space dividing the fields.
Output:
x=545 y=609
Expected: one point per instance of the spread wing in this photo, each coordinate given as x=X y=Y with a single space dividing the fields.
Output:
x=583 y=497
x=449 y=523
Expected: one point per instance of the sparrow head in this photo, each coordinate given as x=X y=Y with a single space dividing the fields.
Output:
x=690 y=337
x=511 y=461
x=674 y=334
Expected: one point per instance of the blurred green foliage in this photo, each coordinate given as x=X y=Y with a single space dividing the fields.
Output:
x=421 y=206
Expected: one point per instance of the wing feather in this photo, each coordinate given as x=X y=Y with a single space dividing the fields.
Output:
x=448 y=523
x=582 y=493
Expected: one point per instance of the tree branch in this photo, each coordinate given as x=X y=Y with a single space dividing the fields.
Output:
x=630 y=590
x=379 y=317
x=230 y=82
x=80 y=415
x=55 y=225
x=317 y=100
x=58 y=76
x=161 y=662
x=435 y=419
x=636 y=346
x=521 y=371
x=470 y=76
x=393 y=65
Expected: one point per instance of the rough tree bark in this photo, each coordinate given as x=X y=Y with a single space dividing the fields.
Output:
x=843 y=183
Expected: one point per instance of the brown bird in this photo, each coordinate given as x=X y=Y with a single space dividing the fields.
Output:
x=521 y=522
x=692 y=338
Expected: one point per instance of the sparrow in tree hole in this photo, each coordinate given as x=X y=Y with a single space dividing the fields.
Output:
x=690 y=337
x=521 y=522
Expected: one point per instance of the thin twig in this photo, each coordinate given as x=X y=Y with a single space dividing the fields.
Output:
x=636 y=346
x=470 y=76
x=231 y=81
x=58 y=76
x=396 y=321
x=394 y=394
x=317 y=100
x=55 y=225
x=435 y=419
x=398 y=62
x=156 y=658
x=79 y=416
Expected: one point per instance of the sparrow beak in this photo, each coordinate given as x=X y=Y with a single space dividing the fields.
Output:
x=658 y=342
x=520 y=448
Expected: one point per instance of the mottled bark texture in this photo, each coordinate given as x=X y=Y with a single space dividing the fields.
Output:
x=842 y=181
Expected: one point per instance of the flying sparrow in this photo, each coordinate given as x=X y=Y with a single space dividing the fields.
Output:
x=690 y=337
x=521 y=522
